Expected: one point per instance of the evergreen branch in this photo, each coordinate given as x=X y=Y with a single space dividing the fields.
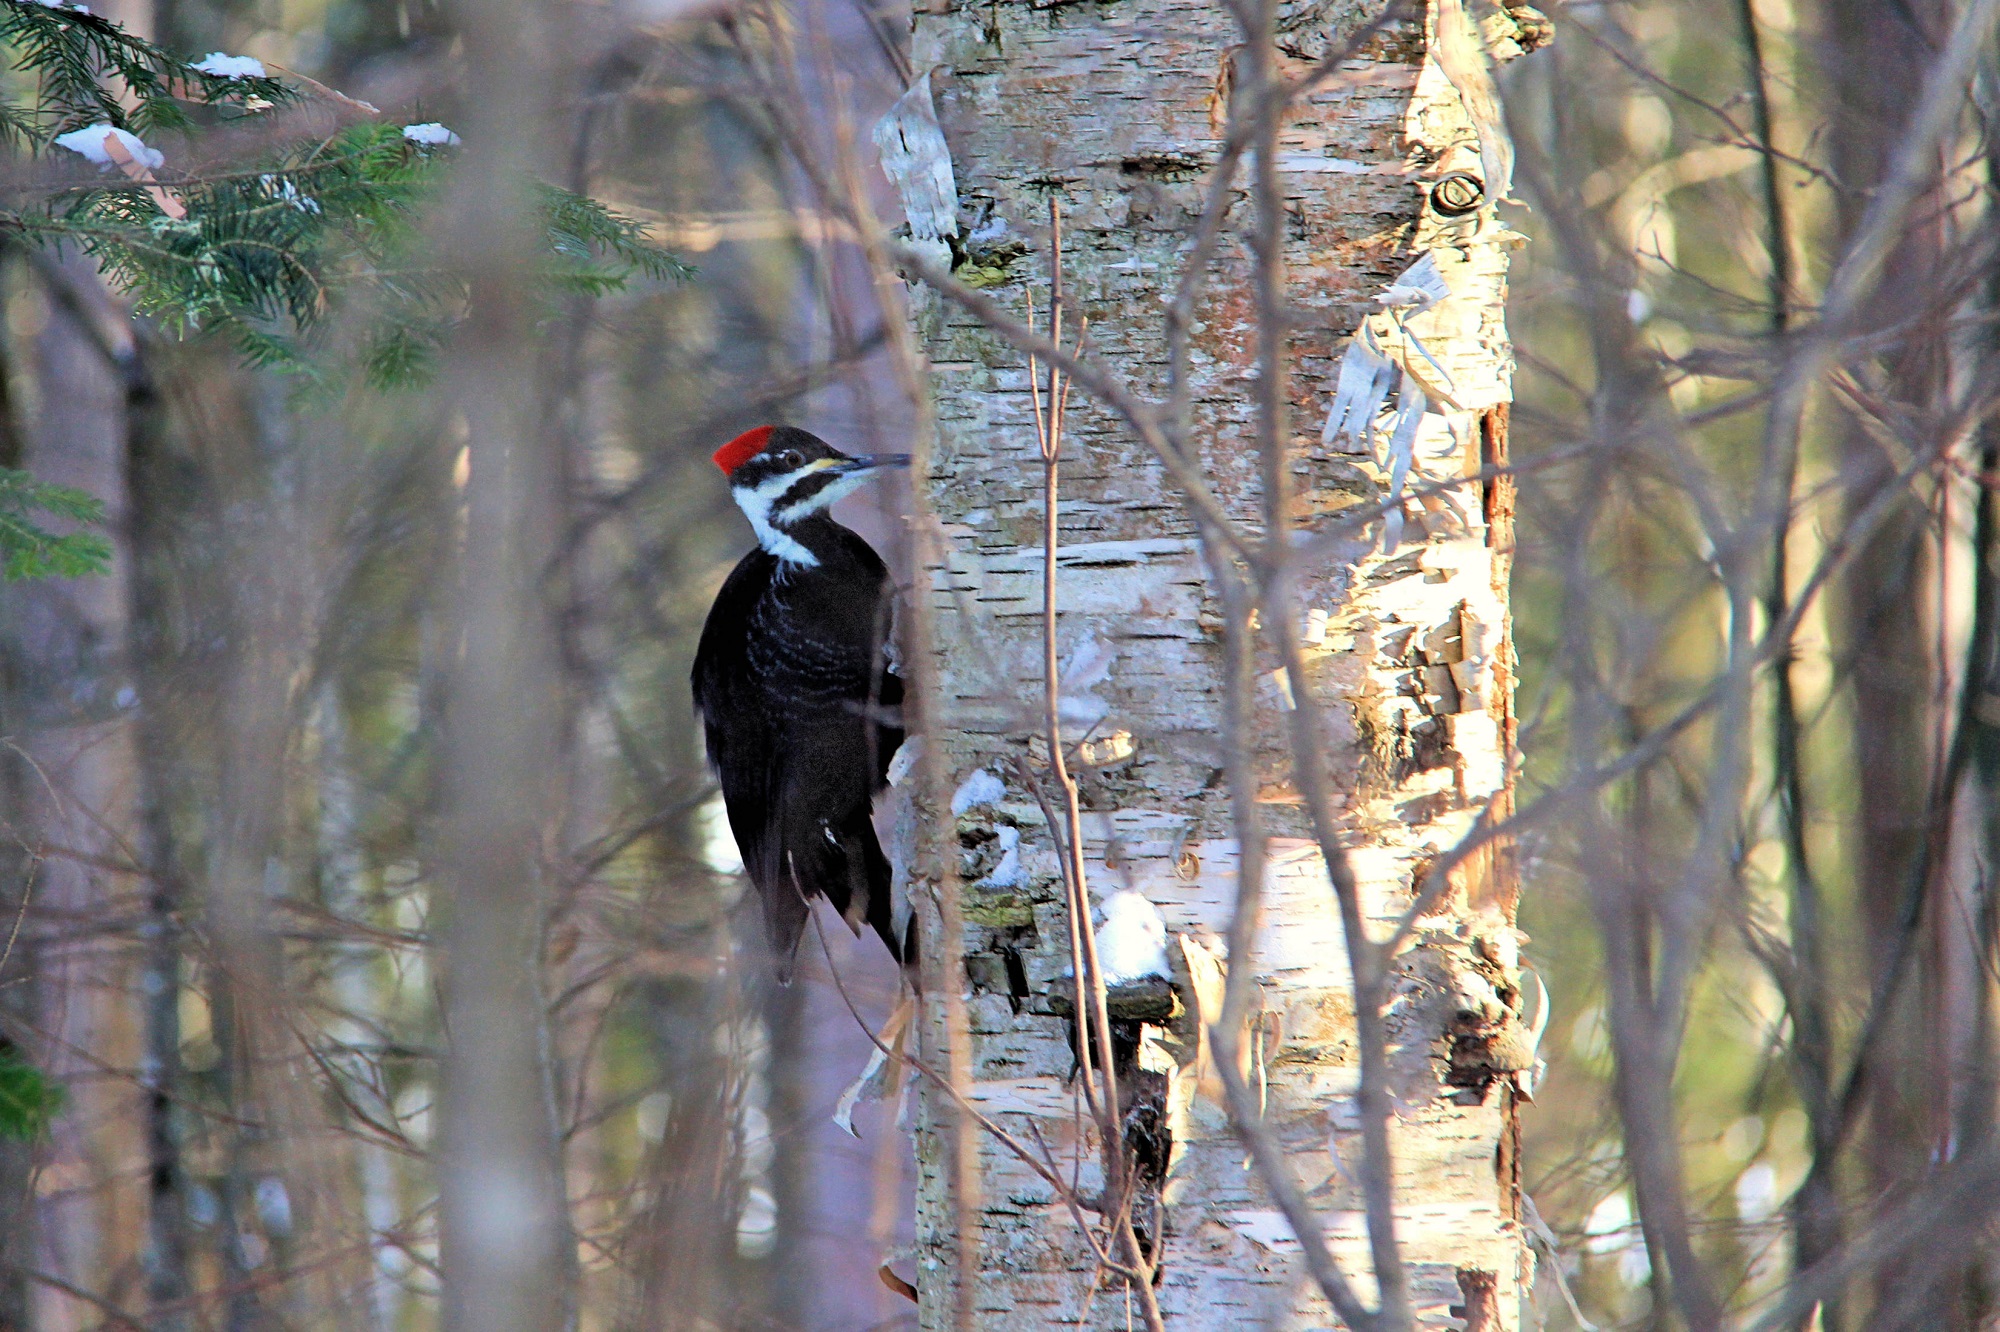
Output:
x=29 y=550
x=89 y=69
x=265 y=254
x=29 y=1099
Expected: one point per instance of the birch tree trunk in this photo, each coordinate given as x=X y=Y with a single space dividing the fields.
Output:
x=1119 y=111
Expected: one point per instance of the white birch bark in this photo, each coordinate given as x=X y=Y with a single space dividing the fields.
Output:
x=1120 y=108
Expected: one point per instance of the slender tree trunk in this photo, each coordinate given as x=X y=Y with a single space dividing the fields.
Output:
x=163 y=771
x=70 y=743
x=18 y=866
x=508 y=1253
x=1877 y=58
x=1119 y=113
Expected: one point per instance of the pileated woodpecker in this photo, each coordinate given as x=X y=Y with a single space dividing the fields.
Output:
x=801 y=710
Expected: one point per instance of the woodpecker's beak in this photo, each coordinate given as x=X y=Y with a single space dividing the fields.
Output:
x=869 y=462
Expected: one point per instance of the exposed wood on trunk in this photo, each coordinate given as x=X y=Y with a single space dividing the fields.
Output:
x=1481 y=1310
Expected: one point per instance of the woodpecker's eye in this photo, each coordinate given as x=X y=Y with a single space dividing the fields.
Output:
x=790 y=458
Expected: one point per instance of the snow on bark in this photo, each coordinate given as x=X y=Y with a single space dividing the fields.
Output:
x=1119 y=108
x=1132 y=941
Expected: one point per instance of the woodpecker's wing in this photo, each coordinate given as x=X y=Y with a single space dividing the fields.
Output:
x=821 y=662
x=746 y=748
x=801 y=721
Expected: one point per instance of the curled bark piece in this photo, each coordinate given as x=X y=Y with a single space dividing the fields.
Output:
x=917 y=161
x=1461 y=54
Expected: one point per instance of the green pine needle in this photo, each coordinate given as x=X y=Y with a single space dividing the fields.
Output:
x=29 y=1098
x=268 y=252
x=29 y=550
x=83 y=62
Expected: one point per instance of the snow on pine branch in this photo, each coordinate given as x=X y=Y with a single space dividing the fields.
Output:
x=231 y=67
x=89 y=142
x=431 y=135
x=82 y=68
x=262 y=256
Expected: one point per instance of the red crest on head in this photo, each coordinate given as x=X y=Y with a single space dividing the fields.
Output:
x=742 y=449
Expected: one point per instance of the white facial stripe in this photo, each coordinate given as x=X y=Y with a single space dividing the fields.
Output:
x=823 y=499
x=756 y=505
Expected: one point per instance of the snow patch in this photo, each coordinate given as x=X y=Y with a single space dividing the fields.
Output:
x=1008 y=873
x=431 y=135
x=285 y=191
x=981 y=788
x=221 y=66
x=88 y=142
x=1132 y=941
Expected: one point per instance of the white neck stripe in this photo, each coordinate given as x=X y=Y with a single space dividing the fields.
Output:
x=756 y=504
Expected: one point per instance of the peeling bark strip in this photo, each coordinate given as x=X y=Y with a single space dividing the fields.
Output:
x=1119 y=109
x=915 y=157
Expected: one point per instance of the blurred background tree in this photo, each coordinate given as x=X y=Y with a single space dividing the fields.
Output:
x=1706 y=175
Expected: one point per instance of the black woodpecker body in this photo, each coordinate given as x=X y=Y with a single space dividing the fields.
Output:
x=801 y=711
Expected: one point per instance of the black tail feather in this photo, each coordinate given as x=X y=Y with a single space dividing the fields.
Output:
x=847 y=865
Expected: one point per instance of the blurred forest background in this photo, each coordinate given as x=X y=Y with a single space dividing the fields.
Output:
x=221 y=761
